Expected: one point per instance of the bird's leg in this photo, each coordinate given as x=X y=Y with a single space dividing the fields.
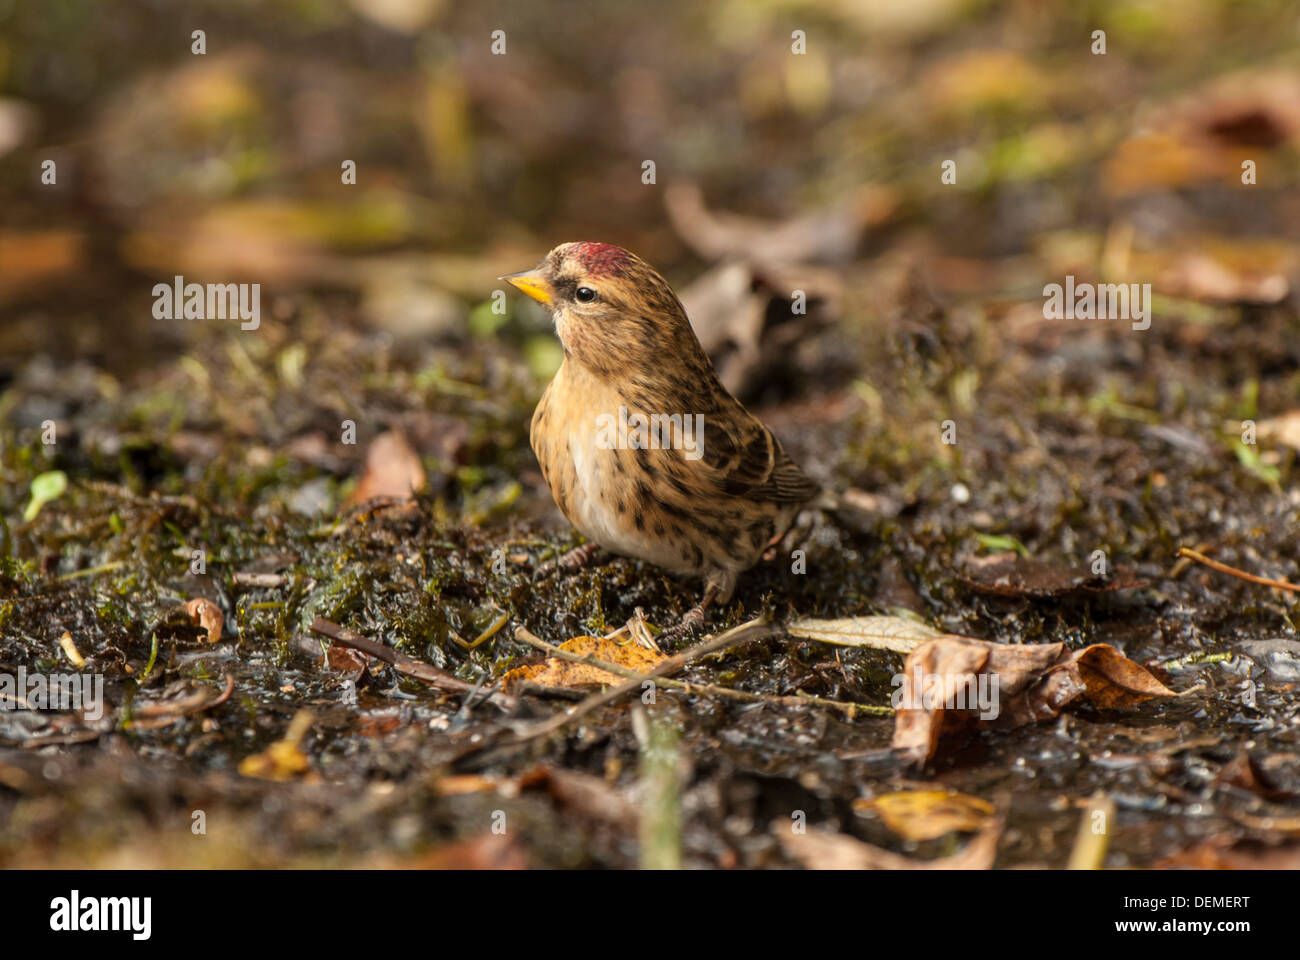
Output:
x=694 y=617
x=571 y=562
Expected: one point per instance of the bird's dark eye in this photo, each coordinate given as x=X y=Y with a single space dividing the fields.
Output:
x=585 y=294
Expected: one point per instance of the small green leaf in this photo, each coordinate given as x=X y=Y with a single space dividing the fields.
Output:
x=45 y=487
x=999 y=543
x=1249 y=458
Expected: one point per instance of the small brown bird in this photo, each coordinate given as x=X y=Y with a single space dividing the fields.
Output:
x=644 y=450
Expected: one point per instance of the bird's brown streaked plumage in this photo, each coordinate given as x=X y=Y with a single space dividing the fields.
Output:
x=628 y=344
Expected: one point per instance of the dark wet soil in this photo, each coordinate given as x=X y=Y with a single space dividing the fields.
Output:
x=1058 y=454
x=925 y=376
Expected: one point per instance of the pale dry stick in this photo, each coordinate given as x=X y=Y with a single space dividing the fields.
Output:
x=243 y=578
x=1233 y=571
x=752 y=630
x=851 y=710
x=1091 y=843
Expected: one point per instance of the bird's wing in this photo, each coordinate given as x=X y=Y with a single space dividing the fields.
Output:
x=748 y=461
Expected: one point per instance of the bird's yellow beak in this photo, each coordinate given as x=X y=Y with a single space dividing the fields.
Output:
x=531 y=283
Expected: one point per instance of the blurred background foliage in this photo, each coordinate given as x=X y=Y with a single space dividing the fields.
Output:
x=227 y=165
x=773 y=171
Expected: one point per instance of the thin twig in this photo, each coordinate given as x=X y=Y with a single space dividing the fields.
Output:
x=201 y=699
x=407 y=666
x=1233 y=571
x=801 y=700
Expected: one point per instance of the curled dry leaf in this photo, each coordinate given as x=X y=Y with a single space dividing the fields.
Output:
x=749 y=324
x=830 y=235
x=581 y=793
x=70 y=650
x=822 y=850
x=345 y=660
x=881 y=633
x=1205 y=134
x=1281 y=429
x=554 y=672
x=953 y=684
x=207 y=615
x=393 y=469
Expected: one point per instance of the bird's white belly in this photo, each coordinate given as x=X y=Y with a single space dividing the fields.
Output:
x=597 y=516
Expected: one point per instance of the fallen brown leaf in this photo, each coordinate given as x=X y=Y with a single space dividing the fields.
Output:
x=1245 y=773
x=747 y=322
x=945 y=678
x=345 y=660
x=208 y=616
x=582 y=794
x=1241 y=855
x=829 y=235
x=822 y=850
x=1283 y=429
x=393 y=470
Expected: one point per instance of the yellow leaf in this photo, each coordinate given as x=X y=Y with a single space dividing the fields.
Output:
x=282 y=760
x=555 y=672
x=927 y=814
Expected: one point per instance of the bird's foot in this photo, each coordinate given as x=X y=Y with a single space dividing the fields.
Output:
x=694 y=618
x=687 y=624
x=571 y=562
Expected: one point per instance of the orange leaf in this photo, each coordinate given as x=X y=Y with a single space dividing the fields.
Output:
x=927 y=814
x=555 y=672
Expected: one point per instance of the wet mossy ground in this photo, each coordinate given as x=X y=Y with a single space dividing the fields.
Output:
x=1069 y=437
x=1110 y=439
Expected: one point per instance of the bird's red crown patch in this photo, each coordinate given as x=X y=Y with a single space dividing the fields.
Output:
x=601 y=259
